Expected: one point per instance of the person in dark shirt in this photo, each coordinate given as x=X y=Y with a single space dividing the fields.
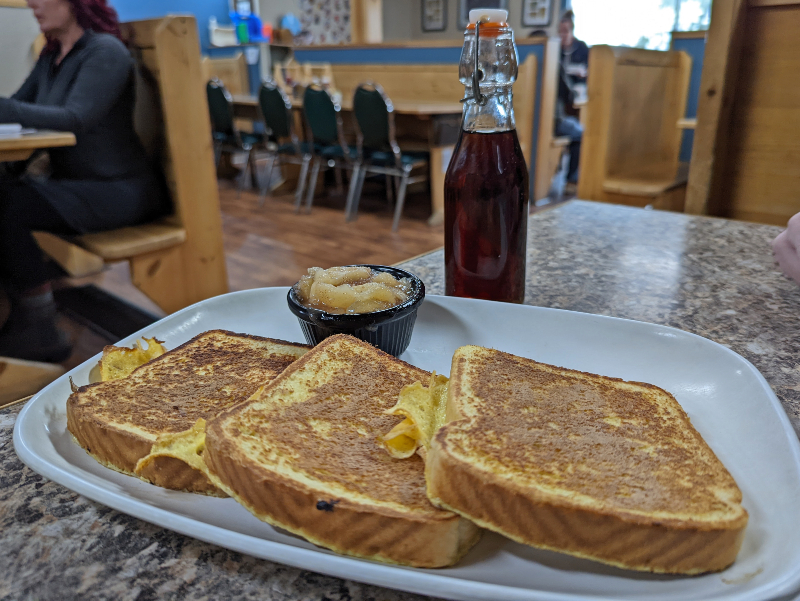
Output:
x=82 y=83
x=572 y=71
x=574 y=52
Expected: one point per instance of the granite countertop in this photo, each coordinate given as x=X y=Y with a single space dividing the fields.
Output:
x=708 y=276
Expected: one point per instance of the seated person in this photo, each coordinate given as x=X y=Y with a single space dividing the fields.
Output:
x=573 y=71
x=574 y=52
x=83 y=83
x=568 y=125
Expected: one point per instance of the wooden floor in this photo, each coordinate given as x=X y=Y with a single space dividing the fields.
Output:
x=274 y=246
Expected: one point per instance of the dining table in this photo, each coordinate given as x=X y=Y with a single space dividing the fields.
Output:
x=438 y=122
x=20 y=147
x=707 y=276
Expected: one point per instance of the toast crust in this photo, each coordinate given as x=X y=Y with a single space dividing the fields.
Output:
x=517 y=514
x=584 y=464
x=118 y=421
x=303 y=456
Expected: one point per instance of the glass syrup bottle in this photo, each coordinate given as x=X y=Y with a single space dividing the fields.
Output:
x=486 y=185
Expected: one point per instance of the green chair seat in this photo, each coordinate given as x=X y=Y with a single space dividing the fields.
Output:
x=374 y=114
x=381 y=157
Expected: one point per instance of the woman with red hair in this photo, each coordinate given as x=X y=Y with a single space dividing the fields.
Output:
x=83 y=83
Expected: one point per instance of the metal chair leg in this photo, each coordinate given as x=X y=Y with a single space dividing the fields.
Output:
x=389 y=188
x=351 y=191
x=337 y=172
x=251 y=163
x=357 y=195
x=401 y=198
x=301 y=183
x=243 y=176
x=217 y=154
x=312 y=184
x=266 y=188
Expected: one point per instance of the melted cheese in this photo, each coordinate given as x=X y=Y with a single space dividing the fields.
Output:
x=424 y=413
x=118 y=361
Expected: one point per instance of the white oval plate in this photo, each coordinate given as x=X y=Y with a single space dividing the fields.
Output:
x=727 y=399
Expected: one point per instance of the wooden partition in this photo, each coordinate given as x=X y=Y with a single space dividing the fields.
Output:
x=745 y=162
x=631 y=143
x=177 y=260
x=428 y=72
x=231 y=71
x=436 y=84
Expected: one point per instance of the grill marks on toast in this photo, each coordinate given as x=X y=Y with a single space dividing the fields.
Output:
x=321 y=420
x=117 y=421
x=304 y=456
x=589 y=439
x=201 y=378
x=583 y=464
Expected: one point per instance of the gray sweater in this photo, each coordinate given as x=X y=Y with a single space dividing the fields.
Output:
x=106 y=180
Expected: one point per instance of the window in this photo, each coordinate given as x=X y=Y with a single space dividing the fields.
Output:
x=639 y=23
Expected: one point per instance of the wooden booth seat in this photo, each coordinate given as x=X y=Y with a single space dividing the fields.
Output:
x=128 y=242
x=177 y=260
x=631 y=142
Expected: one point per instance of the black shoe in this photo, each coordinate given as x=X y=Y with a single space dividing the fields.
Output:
x=34 y=336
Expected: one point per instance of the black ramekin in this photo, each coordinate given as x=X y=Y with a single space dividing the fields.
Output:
x=389 y=330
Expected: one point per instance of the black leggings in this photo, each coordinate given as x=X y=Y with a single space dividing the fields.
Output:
x=22 y=211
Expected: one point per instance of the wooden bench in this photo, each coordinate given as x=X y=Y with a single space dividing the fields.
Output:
x=631 y=142
x=177 y=260
x=746 y=143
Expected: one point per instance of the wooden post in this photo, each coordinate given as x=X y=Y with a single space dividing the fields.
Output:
x=714 y=108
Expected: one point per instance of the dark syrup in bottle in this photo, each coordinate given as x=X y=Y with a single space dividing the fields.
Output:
x=486 y=212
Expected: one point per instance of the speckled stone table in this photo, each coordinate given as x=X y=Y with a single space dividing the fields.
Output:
x=711 y=277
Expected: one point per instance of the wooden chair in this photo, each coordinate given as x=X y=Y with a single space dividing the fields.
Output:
x=19 y=378
x=631 y=142
x=178 y=260
x=746 y=142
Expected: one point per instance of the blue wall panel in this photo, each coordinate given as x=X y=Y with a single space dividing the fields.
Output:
x=431 y=55
x=696 y=48
x=202 y=10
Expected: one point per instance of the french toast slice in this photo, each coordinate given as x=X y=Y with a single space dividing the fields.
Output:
x=596 y=467
x=118 y=421
x=303 y=455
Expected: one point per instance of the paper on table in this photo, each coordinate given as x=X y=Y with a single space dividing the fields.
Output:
x=14 y=130
x=8 y=130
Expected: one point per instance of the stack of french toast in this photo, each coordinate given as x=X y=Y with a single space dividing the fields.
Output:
x=366 y=455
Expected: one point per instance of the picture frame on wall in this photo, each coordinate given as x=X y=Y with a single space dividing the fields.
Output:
x=434 y=15
x=536 y=13
x=464 y=6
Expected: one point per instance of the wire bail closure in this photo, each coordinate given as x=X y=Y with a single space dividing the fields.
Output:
x=477 y=74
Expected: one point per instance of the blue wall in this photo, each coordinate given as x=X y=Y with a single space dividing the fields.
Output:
x=430 y=55
x=696 y=48
x=203 y=10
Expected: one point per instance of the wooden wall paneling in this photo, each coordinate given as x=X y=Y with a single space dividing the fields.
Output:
x=717 y=94
x=547 y=115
